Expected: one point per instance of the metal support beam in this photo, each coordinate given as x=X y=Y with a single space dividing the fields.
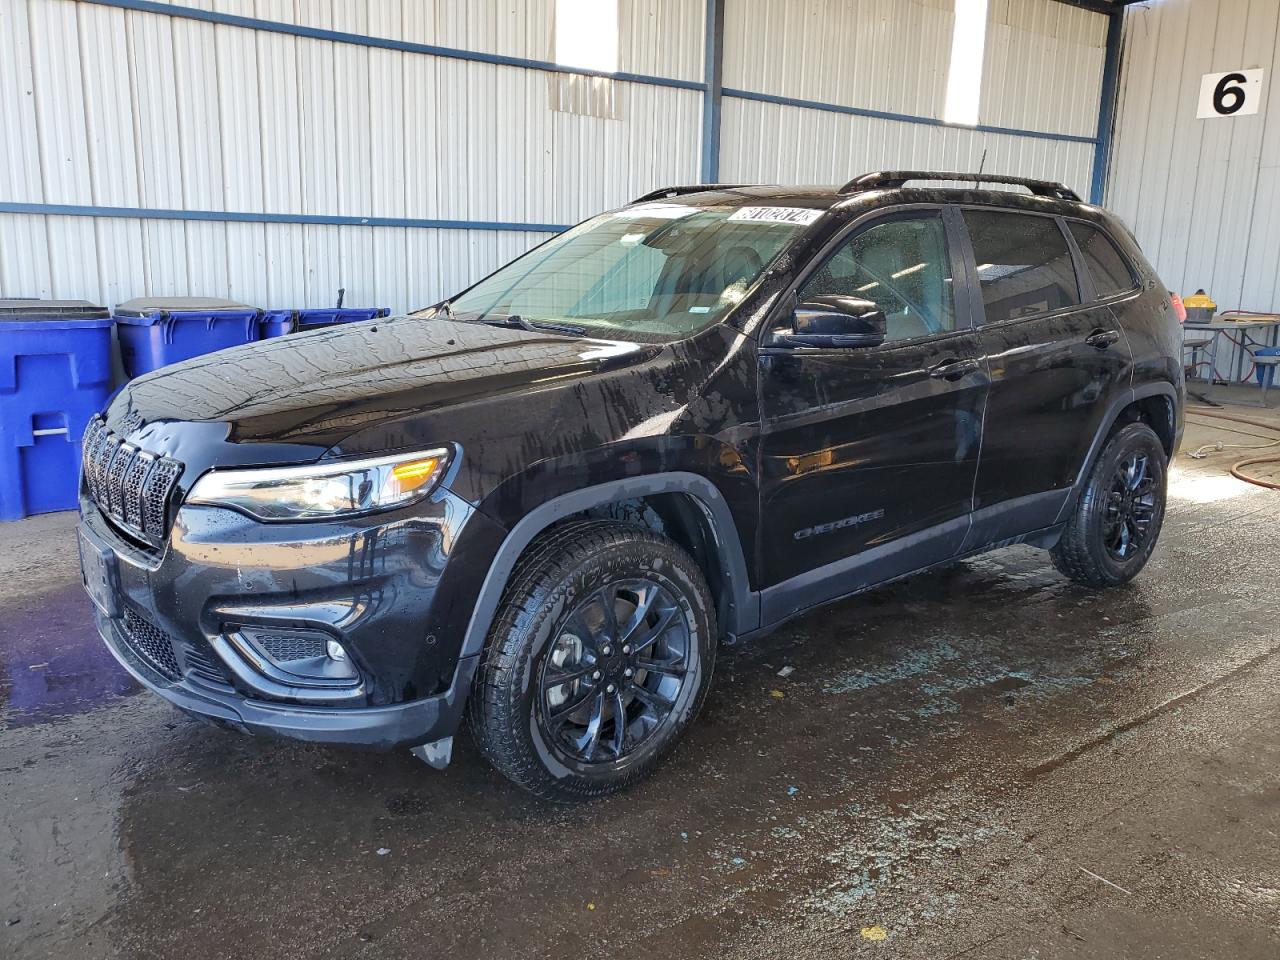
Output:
x=1107 y=108
x=711 y=97
x=1098 y=6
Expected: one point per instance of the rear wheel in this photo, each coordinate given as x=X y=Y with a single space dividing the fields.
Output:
x=598 y=660
x=1117 y=521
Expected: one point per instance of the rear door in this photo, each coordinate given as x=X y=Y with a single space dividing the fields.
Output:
x=1056 y=360
x=869 y=453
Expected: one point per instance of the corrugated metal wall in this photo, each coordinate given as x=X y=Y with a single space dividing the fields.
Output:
x=1202 y=196
x=131 y=113
x=120 y=108
x=1042 y=73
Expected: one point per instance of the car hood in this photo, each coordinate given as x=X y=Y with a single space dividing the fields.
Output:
x=295 y=398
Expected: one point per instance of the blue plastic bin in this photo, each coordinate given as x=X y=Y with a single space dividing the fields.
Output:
x=311 y=319
x=157 y=331
x=276 y=323
x=1266 y=375
x=55 y=373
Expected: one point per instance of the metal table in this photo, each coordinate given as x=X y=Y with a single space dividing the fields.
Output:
x=1247 y=328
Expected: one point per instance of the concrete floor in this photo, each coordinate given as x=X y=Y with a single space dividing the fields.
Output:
x=988 y=761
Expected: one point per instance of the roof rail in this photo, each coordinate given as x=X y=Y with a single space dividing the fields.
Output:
x=664 y=193
x=893 y=179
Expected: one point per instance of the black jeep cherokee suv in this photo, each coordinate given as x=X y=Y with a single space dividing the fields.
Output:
x=547 y=501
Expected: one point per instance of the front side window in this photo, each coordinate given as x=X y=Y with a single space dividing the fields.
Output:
x=1106 y=264
x=904 y=267
x=655 y=271
x=1024 y=264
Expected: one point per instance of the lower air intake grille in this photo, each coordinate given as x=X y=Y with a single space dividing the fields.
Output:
x=204 y=666
x=152 y=644
x=284 y=648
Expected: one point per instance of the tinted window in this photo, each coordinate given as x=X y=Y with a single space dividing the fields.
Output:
x=903 y=266
x=1107 y=267
x=1024 y=264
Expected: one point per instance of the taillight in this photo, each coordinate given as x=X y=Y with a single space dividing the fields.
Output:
x=1178 y=308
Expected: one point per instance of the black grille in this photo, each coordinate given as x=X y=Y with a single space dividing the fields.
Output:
x=162 y=651
x=131 y=486
x=284 y=648
x=152 y=644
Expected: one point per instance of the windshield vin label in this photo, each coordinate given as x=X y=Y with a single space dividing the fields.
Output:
x=801 y=216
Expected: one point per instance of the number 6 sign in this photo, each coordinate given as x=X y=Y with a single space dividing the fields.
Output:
x=1236 y=93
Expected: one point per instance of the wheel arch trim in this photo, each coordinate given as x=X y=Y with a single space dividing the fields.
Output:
x=1125 y=399
x=744 y=603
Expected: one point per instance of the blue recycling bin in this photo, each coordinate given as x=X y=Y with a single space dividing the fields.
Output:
x=311 y=319
x=157 y=331
x=55 y=373
x=276 y=323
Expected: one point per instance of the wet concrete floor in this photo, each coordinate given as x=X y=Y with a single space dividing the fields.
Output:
x=983 y=762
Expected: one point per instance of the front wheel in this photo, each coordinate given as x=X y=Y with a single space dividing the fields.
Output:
x=1115 y=525
x=597 y=662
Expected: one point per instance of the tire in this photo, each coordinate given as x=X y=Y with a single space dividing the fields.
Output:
x=1116 y=523
x=559 y=738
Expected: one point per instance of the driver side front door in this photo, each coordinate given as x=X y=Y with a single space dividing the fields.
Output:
x=869 y=453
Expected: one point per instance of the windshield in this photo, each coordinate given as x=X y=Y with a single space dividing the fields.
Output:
x=655 y=271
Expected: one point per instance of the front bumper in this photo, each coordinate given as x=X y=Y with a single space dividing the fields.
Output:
x=392 y=589
x=401 y=724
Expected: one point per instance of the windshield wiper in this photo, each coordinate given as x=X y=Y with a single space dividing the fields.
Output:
x=560 y=327
x=510 y=320
x=515 y=320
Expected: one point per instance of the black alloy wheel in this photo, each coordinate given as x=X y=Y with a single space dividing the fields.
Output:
x=1130 y=506
x=1115 y=522
x=597 y=662
x=614 y=672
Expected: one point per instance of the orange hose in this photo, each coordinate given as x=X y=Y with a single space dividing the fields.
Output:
x=1239 y=475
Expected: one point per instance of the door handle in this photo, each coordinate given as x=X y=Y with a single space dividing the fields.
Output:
x=1102 y=338
x=954 y=369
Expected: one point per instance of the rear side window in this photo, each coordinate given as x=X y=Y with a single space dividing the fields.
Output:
x=1107 y=266
x=1024 y=264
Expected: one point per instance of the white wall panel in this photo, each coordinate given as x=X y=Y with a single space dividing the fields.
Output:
x=58 y=88
x=879 y=54
x=771 y=143
x=20 y=176
x=1042 y=72
x=661 y=38
x=25 y=270
x=1201 y=195
x=155 y=105
x=1042 y=66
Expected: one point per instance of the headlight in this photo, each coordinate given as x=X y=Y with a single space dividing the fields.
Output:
x=323 y=490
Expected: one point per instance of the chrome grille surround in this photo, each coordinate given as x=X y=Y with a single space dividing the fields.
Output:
x=132 y=487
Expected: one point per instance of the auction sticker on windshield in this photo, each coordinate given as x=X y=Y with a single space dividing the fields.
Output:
x=801 y=216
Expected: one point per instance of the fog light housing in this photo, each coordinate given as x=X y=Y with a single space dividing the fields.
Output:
x=295 y=655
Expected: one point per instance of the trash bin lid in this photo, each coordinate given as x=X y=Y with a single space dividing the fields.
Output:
x=143 y=305
x=19 y=310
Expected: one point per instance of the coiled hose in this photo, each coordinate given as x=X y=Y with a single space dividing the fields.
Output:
x=1237 y=467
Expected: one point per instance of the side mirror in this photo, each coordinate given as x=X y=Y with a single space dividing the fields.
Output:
x=834 y=321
